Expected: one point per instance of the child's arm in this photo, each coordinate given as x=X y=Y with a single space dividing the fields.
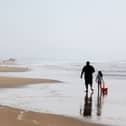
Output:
x=96 y=80
x=103 y=83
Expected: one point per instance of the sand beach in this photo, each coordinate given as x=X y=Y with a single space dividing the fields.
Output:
x=18 y=117
x=10 y=82
x=13 y=69
x=44 y=46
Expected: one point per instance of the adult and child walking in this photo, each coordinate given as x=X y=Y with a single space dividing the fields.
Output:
x=88 y=71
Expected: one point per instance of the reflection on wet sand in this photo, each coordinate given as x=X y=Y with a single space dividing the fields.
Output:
x=87 y=110
x=100 y=98
x=99 y=103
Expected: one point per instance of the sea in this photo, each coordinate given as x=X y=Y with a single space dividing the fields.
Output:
x=69 y=97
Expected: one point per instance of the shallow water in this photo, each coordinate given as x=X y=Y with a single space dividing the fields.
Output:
x=68 y=98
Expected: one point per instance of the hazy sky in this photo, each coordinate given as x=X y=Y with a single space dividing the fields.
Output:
x=94 y=29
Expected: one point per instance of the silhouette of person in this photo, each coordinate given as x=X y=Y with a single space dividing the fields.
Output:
x=87 y=105
x=99 y=80
x=88 y=70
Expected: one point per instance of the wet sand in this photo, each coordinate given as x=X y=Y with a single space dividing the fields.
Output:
x=16 y=117
x=10 y=82
x=13 y=69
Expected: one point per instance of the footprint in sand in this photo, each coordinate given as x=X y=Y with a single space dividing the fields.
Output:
x=35 y=122
x=20 y=115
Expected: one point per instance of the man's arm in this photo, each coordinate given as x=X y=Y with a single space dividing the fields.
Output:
x=93 y=69
x=82 y=72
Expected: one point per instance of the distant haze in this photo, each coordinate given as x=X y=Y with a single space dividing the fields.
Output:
x=90 y=29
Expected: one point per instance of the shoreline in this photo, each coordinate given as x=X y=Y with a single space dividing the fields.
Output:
x=13 y=69
x=10 y=82
x=18 y=117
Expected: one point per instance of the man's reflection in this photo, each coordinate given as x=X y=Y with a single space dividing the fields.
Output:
x=87 y=105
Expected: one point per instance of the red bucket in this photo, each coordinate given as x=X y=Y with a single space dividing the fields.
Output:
x=104 y=90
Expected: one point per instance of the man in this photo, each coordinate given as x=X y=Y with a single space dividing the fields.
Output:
x=88 y=70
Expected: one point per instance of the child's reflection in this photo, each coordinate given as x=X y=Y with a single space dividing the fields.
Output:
x=99 y=103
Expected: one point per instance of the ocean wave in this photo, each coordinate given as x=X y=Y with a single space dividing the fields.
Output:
x=114 y=75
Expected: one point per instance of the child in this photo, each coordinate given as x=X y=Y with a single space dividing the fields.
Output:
x=99 y=79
